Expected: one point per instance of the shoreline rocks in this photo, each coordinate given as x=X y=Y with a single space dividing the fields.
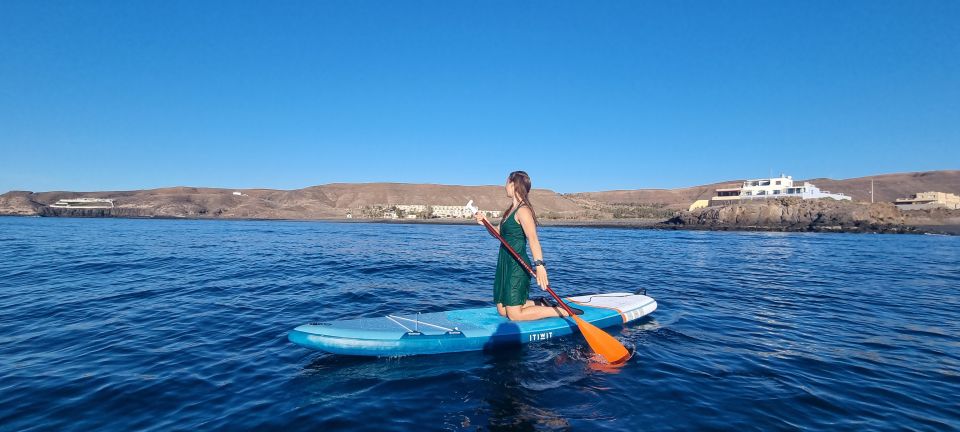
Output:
x=795 y=214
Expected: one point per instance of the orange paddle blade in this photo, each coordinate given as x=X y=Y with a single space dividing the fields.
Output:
x=602 y=343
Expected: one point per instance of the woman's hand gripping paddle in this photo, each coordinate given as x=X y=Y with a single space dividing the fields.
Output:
x=602 y=343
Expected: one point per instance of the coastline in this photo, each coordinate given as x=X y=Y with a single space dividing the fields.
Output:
x=641 y=223
x=580 y=223
x=633 y=209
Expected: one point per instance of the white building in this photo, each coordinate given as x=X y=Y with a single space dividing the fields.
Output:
x=87 y=203
x=412 y=208
x=460 y=212
x=928 y=200
x=412 y=211
x=776 y=187
x=446 y=211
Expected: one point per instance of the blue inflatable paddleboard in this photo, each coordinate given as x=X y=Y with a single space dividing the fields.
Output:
x=463 y=330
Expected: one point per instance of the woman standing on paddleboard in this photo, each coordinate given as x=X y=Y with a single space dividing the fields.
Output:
x=511 y=285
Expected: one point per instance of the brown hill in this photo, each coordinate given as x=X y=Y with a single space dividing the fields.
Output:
x=887 y=187
x=350 y=196
x=317 y=202
x=337 y=199
x=18 y=203
x=671 y=198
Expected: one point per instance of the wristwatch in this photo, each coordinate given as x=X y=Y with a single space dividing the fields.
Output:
x=539 y=263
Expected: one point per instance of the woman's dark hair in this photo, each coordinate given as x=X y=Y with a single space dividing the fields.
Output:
x=521 y=188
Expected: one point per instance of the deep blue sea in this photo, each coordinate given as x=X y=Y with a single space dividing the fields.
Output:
x=118 y=325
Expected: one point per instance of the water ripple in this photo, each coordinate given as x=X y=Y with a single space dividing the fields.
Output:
x=177 y=325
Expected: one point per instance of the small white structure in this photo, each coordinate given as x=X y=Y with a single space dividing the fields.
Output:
x=237 y=193
x=86 y=203
x=775 y=187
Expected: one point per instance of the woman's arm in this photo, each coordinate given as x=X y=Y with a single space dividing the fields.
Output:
x=525 y=217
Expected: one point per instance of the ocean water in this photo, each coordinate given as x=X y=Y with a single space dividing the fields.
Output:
x=117 y=325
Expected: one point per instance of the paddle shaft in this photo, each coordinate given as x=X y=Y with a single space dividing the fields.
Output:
x=523 y=263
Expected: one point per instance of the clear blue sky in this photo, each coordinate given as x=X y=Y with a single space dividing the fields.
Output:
x=583 y=95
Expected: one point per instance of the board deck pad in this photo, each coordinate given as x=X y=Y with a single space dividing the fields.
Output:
x=464 y=329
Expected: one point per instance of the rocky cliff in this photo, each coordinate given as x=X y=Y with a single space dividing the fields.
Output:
x=794 y=214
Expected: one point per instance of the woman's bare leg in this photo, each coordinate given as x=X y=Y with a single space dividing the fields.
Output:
x=530 y=313
x=503 y=311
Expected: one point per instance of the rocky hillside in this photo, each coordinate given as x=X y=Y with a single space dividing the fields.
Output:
x=794 y=214
x=887 y=187
x=318 y=202
x=677 y=199
x=649 y=205
x=19 y=203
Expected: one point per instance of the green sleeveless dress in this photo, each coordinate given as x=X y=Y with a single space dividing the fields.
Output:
x=511 y=284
